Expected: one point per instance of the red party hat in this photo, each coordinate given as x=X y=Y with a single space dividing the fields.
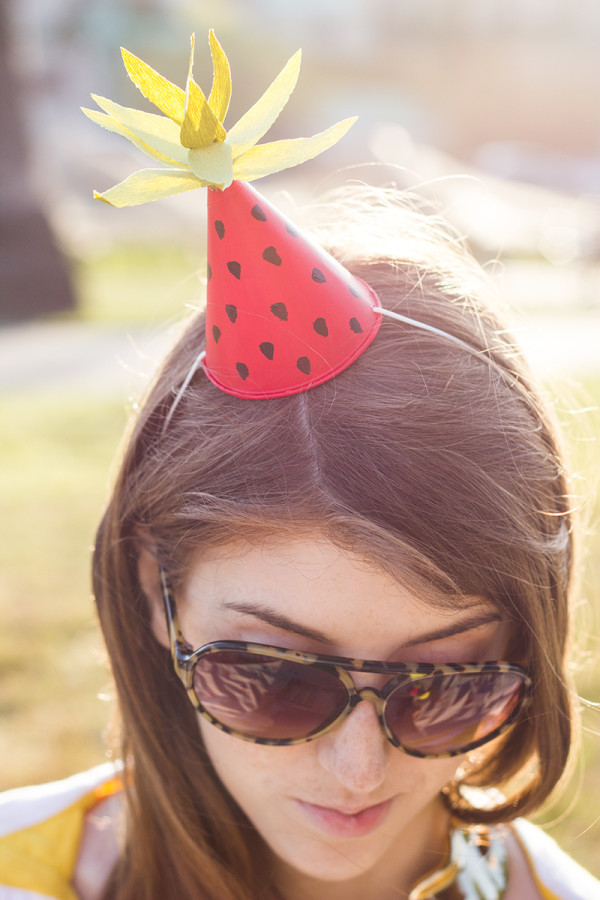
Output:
x=282 y=315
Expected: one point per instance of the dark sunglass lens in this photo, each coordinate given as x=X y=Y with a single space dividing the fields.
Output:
x=446 y=713
x=265 y=697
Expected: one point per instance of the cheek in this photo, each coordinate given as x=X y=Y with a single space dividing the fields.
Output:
x=426 y=776
x=251 y=772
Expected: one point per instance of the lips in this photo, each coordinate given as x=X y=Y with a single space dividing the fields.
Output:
x=346 y=823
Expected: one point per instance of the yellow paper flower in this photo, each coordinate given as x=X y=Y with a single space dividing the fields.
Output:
x=190 y=138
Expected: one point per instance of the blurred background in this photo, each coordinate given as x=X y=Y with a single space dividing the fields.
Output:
x=490 y=108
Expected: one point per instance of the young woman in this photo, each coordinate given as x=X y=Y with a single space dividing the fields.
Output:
x=336 y=605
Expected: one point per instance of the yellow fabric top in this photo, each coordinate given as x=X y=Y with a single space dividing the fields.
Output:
x=556 y=875
x=40 y=832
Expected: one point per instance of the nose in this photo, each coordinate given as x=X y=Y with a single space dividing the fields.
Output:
x=356 y=753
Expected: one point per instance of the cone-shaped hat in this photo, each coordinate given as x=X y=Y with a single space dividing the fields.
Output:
x=282 y=315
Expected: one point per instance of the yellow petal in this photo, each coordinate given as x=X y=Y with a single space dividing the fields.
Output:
x=257 y=121
x=160 y=133
x=112 y=125
x=213 y=165
x=149 y=184
x=277 y=155
x=169 y=98
x=220 y=94
x=200 y=126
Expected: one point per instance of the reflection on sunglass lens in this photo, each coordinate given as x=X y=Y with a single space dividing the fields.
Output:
x=441 y=713
x=266 y=697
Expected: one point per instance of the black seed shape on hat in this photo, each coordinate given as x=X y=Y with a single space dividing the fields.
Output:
x=304 y=364
x=220 y=228
x=355 y=325
x=257 y=213
x=271 y=255
x=231 y=311
x=242 y=370
x=235 y=269
x=354 y=292
x=208 y=272
x=290 y=229
x=280 y=310
x=216 y=333
x=320 y=326
x=318 y=276
x=267 y=349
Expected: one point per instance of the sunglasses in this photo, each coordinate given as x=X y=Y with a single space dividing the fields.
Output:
x=279 y=697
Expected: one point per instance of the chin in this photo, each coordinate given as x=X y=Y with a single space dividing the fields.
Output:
x=331 y=860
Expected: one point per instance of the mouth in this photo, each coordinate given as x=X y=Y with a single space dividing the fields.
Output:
x=341 y=822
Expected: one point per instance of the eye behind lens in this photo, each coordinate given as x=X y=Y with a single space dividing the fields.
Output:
x=442 y=714
x=265 y=697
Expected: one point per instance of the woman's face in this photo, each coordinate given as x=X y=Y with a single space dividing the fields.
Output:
x=341 y=805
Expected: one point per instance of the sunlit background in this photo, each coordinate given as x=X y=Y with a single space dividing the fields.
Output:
x=490 y=108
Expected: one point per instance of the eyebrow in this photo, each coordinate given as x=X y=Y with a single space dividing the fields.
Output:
x=280 y=620
x=485 y=617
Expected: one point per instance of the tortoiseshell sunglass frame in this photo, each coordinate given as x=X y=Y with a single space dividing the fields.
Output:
x=185 y=659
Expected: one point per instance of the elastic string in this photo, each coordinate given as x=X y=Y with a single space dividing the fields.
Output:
x=183 y=388
x=423 y=326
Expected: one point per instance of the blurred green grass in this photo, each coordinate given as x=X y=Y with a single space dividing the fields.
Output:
x=137 y=283
x=573 y=816
x=54 y=463
x=57 y=454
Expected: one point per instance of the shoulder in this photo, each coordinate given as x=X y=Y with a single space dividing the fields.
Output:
x=41 y=829
x=555 y=875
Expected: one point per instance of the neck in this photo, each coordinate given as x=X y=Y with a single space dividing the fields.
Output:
x=419 y=850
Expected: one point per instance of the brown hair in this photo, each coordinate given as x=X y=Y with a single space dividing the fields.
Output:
x=437 y=463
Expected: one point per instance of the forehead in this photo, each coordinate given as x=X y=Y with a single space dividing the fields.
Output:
x=304 y=567
x=320 y=585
